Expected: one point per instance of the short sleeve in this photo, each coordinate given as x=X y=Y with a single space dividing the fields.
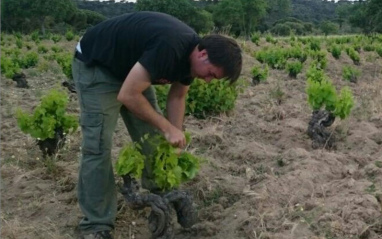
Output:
x=159 y=61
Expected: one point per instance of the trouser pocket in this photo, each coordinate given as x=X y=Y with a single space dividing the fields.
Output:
x=91 y=124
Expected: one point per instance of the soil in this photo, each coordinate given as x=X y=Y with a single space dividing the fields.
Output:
x=261 y=179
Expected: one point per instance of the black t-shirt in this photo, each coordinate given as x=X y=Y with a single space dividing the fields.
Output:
x=161 y=43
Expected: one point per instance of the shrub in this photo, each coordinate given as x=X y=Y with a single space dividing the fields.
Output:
x=274 y=57
x=204 y=99
x=322 y=93
x=369 y=47
x=319 y=58
x=48 y=117
x=350 y=74
x=169 y=168
x=19 y=43
x=215 y=97
x=270 y=39
x=281 y=30
x=297 y=53
x=56 y=38
x=344 y=103
x=259 y=75
x=336 y=51
x=29 y=60
x=255 y=37
x=354 y=55
x=69 y=35
x=294 y=68
x=379 y=50
x=35 y=36
x=315 y=74
x=342 y=40
x=9 y=67
x=56 y=49
x=42 y=49
x=315 y=44
x=65 y=61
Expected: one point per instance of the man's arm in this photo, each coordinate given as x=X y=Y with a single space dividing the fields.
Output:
x=131 y=95
x=176 y=100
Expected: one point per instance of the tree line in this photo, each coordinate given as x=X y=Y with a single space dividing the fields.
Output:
x=236 y=17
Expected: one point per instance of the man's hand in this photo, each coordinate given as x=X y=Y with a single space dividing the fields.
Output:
x=175 y=137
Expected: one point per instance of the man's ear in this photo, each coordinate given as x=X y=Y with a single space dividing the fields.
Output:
x=203 y=54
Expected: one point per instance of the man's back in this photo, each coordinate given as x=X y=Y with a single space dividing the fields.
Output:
x=161 y=43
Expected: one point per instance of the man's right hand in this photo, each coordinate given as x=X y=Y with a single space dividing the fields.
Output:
x=175 y=137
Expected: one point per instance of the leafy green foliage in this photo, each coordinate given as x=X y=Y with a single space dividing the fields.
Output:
x=260 y=74
x=294 y=68
x=9 y=67
x=42 y=49
x=328 y=27
x=65 y=61
x=368 y=47
x=48 y=117
x=69 y=35
x=319 y=58
x=274 y=57
x=350 y=74
x=184 y=10
x=297 y=53
x=130 y=161
x=19 y=43
x=169 y=168
x=315 y=74
x=336 y=51
x=204 y=99
x=344 y=103
x=29 y=60
x=56 y=38
x=241 y=16
x=354 y=55
x=28 y=15
x=322 y=93
x=215 y=97
x=269 y=38
x=255 y=37
x=315 y=44
x=379 y=50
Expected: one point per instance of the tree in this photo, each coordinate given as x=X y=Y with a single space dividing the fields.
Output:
x=37 y=10
x=328 y=27
x=342 y=12
x=360 y=18
x=181 y=9
x=374 y=13
x=276 y=10
x=242 y=15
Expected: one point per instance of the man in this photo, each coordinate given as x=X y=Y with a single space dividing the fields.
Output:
x=115 y=65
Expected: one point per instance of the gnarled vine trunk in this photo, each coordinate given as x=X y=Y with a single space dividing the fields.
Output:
x=160 y=223
x=50 y=146
x=321 y=138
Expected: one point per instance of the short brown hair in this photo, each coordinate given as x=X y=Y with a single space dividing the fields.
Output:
x=223 y=52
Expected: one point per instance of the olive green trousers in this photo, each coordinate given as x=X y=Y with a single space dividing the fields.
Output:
x=97 y=91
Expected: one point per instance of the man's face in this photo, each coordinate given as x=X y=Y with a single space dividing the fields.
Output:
x=202 y=68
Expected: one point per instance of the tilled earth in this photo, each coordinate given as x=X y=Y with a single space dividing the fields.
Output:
x=261 y=178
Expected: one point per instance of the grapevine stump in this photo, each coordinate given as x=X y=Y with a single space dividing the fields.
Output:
x=160 y=217
x=50 y=146
x=321 y=119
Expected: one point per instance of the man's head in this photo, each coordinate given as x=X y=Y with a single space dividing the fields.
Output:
x=216 y=57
